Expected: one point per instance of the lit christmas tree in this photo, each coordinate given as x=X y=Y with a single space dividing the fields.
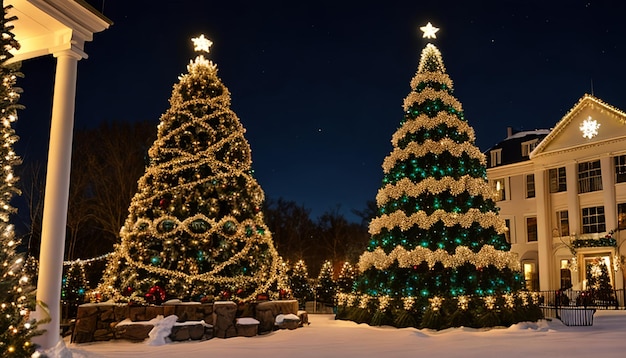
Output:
x=346 y=278
x=16 y=295
x=599 y=288
x=74 y=287
x=326 y=288
x=438 y=256
x=299 y=283
x=195 y=228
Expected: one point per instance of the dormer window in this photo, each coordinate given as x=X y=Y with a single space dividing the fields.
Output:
x=496 y=157
x=528 y=147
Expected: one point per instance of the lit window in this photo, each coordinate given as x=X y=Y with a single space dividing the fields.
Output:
x=498 y=188
x=530 y=185
x=621 y=216
x=530 y=276
x=589 y=177
x=593 y=220
x=558 y=181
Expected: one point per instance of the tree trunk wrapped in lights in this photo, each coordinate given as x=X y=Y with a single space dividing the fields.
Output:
x=195 y=228
x=437 y=256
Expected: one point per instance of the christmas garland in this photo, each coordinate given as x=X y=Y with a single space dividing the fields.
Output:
x=405 y=186
x=424 y=221
x=429 y=146
x=487 y=255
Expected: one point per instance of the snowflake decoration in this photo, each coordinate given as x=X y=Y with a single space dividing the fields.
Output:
x=589 y=127
x=201 y=44
x=429 y=31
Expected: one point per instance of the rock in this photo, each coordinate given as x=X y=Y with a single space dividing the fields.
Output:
x=266 y=313
x=224 y=319
x=304 y=318
x=137 y=313
x=265 y=317
x=247 y=327
x=103 y=335
x=132 y=332
x=188 y=331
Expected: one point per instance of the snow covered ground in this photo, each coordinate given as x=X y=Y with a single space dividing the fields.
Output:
x=326 y=337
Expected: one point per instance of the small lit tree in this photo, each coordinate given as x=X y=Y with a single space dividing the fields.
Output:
x=326 y=288
x=346 y=278
x=299 y=283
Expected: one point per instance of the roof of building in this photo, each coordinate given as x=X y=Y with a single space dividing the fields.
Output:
x=511 y=146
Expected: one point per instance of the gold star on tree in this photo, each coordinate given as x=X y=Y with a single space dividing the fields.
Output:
x=201 y=44
x=429 y=31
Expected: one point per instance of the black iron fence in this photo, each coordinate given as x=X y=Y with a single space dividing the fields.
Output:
x=576 y=308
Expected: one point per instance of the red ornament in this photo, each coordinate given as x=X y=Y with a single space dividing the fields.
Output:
x=156 y=295
x=239 y=291
x=262 y=297
x=226 y=294
x=128 y=291
x=164 y=202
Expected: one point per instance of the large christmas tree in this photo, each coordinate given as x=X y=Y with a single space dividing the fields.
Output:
x=16 y=293
x=195 y=228
x=438 y=256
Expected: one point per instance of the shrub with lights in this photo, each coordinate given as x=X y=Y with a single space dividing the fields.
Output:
x=438 y=256
x=326 y=287
x=347 y=277
x=299 y=283
x=195 y=230
x=16 y=294
x=74 y=288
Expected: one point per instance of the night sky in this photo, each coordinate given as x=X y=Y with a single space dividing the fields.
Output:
x=319 y=85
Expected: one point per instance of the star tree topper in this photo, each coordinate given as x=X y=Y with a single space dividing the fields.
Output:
x=429 y=31
x=201 y=44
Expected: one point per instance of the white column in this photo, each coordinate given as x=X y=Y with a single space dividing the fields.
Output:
x=544 y=233
x=56 y=197
x=573 y=208
x=608 y=192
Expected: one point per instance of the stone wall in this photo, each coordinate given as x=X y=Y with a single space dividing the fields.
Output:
x=97 y=322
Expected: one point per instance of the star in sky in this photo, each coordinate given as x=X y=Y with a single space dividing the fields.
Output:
x=429 y=31
x=201 y=43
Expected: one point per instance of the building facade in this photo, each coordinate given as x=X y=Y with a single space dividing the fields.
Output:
x=562 y=193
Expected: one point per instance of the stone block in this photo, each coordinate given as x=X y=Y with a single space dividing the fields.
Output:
x=87 y=311
x=266 y=313
x=107 y=313
x=121 y=312
x=188 y=331
x=224 y=319
x=85 y=327
x=168 y=310
x=153 y=312
x=187 y=312
x=103 y=335
x=207 y=313
x=247 y=327
x=132 y=332
x=304 y=318
x=265 y=317
x=137 y=313
x=288 y=321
